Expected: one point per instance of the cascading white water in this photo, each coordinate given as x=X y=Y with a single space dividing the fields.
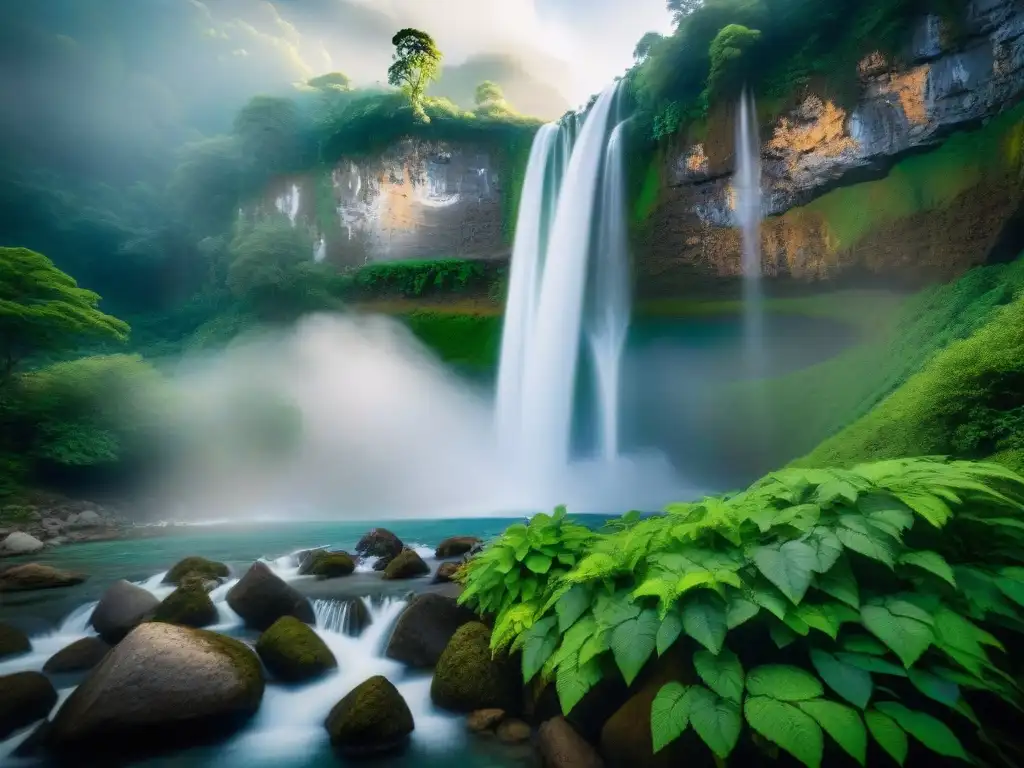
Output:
x=289 y=202
x=549 y=375
x=524 y=283
x=608 y=322
x=747 y=191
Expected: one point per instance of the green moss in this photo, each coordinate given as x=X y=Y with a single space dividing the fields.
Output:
x=406 y=565
x=649 y=191
x=294 y=652
x=13 y=641
x=245 y=662
x=328 y=565
x=468 y=677
x=424 y=277
x=372 y=718
x=196 y=566
x=188 y=606
x=470 y=340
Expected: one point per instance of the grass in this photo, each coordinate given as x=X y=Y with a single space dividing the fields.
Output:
x=471 y=341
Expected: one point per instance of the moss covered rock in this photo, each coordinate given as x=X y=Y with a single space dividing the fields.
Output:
x=32 y=576
x=13 y=641
x=379 y=542
x=455 y=546
x=261 y=597
x=24 y=698
x=196 y=566
x=425 y=628
x=329 y=565
x=162 y=687
x=189 y=605
x=372 y=719
x=81 y=656
x=468 y=678
x=407 y=565
x=293 y=652
x=446 y=572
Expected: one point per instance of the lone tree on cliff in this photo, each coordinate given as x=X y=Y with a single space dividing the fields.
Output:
x=417 y=62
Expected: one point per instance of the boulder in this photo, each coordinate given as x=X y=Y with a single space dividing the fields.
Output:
x=512 y=731
x=330 y=565
x=189 y=605
x=468 y=677
x=52 y=526
x=379 y=542
x=196 y=566
x=163 y=686
x=484 y=720
x=446 y=572
x=87 y=519
x=455 y=546
x=20 y=543
x=381 y=563
x=425 y=628
x=81 y=656
x=357 y=617
x=261 y=598
x=13 y=641
x=407 y=565
x=305 y=559
x=24 y=698
x=372 y=719
x=21 y=578
x=121 y=609
x=561 y=747
x=293 y=652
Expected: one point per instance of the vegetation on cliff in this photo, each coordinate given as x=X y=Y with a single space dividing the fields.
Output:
x=875 y=604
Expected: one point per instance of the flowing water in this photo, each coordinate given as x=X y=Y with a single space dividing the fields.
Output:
x=747 y=189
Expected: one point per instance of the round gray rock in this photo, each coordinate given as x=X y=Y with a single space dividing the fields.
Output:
x=121 y=609
x=81 y=656
x=424 y=629
x=20 y=543
x=261 y=597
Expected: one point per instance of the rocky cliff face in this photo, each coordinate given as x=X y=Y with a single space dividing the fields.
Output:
x=942 y=85
x=417 y=199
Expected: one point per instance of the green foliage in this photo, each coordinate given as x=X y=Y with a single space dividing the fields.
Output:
x=43 y=310
x=332 y=81
x=421 y=277
x=728 y=71
x=892 y=586
x=417 y=62
x=470 y=341
x=488 y=92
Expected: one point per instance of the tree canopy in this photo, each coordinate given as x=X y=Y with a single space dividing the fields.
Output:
x=417 y=62
x=43 y=309
x=488 y=92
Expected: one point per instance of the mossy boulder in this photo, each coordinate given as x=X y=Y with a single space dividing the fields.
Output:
x=196 y=566
x=162 y=687
x=379 y=542
x=425 y=628
x=30 y=576
x=121 y=609
x=189 y=605
x=330 y=565
x=306 y=558
x=13 y=641
x=468 y=677
x=293 y=652
x=372 y=719
x=81 y=656
x=407 y=565
x=455 y=546
x=24 y=698
x=261 y=597
x=447 y=572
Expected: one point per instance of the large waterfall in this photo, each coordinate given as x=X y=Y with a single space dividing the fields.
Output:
x=747 y=192
x=550 y=311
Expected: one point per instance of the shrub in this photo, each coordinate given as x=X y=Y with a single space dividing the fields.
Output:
x=879 y=600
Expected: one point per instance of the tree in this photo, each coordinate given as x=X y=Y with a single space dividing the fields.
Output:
x=489 y=92
x=43 y=310
x=417 y=63
x=682 y=8
x=270 y=130
x=332 y=81
x=727 y=49
x=645 y=44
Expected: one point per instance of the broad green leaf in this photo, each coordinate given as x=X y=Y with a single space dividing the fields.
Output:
x=739 y=612
x=932 y=562
x=884 y=510
x=670 y=714
x=573 y=604
x=803 y=517
x=864 y=644
x=768 y=597
x=788 y=567
x=902 y=630
x=783 y=682
x=538 y=563
x=787 y=726
x=573 y=681
x=611 y=610
x=835 y=490
x=931 y=732
x=819 y=617
x=540 y=642
x=573 y=640
x=506 y=559
x=827 y=548
x=695 y=580
x=781 y=635
x=528 y=590
x=842 y=724
x=850 y=682
x=935 y=687
x=669 y=631
x=633 y=643
x=723 y=674
x=1011 y=583
x=796 y=624
x=889 y=736
x=658 y=585
x=716 y=720
x=840 y=583
x=595 y=645
x=858 y=535
x=871 y=664
x=704 y=620
x=931 y=508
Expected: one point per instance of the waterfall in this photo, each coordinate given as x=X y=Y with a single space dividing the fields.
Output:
x=747 y=191
x=320 y=250
x=610 y=312
x=289 y=203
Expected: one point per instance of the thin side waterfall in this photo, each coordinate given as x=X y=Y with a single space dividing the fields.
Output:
x=523 y=290
x=550 y=372
x=608 y=322
x=747 y=189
